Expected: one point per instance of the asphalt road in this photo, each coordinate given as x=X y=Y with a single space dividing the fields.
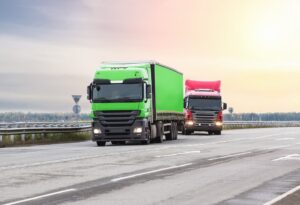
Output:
x=240 y=167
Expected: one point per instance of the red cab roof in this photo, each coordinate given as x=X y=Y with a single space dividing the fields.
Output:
x=191 y=85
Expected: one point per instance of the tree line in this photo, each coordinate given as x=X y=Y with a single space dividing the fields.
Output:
x=291 y=116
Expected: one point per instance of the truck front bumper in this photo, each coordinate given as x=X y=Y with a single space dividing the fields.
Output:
x=136 y=132
x=203 y=127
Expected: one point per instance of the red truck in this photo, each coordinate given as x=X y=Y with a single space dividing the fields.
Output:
x=203 y=107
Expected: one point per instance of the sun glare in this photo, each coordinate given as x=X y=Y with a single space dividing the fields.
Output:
x=269 y=36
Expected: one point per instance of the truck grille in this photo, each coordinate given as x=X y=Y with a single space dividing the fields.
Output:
x=116 y=118
x=204 y=117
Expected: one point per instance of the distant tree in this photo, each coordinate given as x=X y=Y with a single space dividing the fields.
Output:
x=293 y=116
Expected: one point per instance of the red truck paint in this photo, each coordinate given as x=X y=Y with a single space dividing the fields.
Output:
x=203 y=107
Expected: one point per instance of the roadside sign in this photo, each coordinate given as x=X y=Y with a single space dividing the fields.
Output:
x=76 y=98
x=76 y=109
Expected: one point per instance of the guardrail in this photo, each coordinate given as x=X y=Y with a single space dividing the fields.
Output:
x=25 y=130
x=43 y=124
x=33 y=131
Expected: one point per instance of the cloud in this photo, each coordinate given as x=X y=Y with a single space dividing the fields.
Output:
x=41 y=92
x=51 y=49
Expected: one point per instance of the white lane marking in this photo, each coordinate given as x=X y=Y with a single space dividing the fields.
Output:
x=192 y=145
x=126 y=152
x=150 y=172
x=175 y=154
x=40 y=197
x=266 y=136
x=288 y=157
x=273 y=201
x=74 y=159
x=277 y=147
x=48 y=162
x=230 y=155
x=283 y=139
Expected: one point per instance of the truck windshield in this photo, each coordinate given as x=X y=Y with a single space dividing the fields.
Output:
x=205 y=103
x=118 y=92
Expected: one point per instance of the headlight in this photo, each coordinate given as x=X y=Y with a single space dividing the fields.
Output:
x=138 y=130
x=189 y=122
x=219 y=123
x=97 y=131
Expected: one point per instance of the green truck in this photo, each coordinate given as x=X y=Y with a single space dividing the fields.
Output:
x=135 y=101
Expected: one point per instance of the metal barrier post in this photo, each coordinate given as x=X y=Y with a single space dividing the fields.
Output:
x=12 y=139
x=23 y=138
x=33 y=137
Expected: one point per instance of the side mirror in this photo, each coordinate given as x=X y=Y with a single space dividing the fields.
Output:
x=148 y=91
x=224 y=106
x=89 y=92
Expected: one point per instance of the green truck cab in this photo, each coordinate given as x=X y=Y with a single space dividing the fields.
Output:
x=135 y=101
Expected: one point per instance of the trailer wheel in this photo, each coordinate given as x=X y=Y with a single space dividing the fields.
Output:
x=159 y=132
x=175 y=131
x=101 y=143
x=171 y=135
x=185 y=131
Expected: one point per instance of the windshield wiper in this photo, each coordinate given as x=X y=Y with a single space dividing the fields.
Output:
x=205 y=108
x=126 y=99
x=104 y=99
x=195 y=108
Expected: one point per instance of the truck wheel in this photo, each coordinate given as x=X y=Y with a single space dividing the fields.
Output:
x=175 y=131
x=159 y=132
x=101 y=143
x=183 y=130
x=153 y=132
x=217 y=132
x=147 y=141
x=171 y=135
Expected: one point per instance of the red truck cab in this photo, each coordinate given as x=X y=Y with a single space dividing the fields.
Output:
x=203 y=107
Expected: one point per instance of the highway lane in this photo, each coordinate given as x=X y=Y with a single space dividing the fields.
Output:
x=250 y=166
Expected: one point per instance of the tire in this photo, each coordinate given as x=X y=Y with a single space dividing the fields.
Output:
x=153 y=132
x=171 y=135
x=175 y=131
x=217 y=132
x=100 y=143
x=148 y=140
x=183 y=130
x=210 y=133
x=159 y=132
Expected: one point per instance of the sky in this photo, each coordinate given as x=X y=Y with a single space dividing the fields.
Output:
x=50 y=49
